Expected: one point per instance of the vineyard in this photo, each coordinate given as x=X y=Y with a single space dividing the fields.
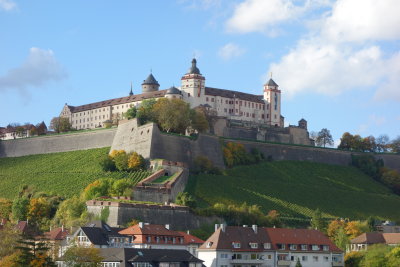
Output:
x=297 y=188
x=65 y=173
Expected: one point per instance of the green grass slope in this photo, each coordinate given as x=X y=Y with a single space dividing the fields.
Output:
x=297 y=188
x=65 y=173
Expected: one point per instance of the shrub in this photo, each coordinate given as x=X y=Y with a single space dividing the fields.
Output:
x=121 y=161
x=184 y=199
x=203 y=164
x=135 y=162
x=107 y=164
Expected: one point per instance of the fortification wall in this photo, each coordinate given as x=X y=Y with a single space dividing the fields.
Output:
x=179 y=218
x=57 y=143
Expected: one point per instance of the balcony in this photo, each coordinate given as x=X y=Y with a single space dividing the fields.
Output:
x=244 y=261
x=337 y=264
x=283 y=263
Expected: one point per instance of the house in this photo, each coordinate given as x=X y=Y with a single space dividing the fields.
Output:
x=134 y=257
x=146 y=235
x=310 y=247
x=388 y=227
x=55 y=239
x=364 y=240
x=234 y=246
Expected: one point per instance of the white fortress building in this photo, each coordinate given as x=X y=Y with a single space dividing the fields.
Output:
x=261 y=114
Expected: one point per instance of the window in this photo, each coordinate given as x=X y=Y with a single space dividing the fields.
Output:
x=237 y=257
x=303 y=247
x=225 y=110
x=325 y=248
x=304 y=258
x=315 y=258
x=281 y=246
x=253 y=245
x=315 y=247
x=254 y=257
x=326 y=258
x=267 y=245
x=236 y=244
x=293 y=247
x=212 y=99
x=207 y=99
x=188 y=93
x=148 y=239
x=224 y=256
x=209 y=244
x=269 y=257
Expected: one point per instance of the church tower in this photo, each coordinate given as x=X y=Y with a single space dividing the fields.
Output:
x=272 y=98
x=193 y=86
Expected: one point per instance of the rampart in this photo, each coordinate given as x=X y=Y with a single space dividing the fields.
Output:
x=57 y=143
x=179 y=217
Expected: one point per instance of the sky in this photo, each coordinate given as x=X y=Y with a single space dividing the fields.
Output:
x=337 y=62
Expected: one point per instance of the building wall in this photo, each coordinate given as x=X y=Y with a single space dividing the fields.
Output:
x=179 y=218
x=57 y=143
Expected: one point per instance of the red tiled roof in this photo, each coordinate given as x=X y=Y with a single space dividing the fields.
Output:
x=231 y=94
x=299 y=237
x=56 y=234
x=117 y=101
x=191 y=239
x=22 y=226
x=149 y=229
x=377 y=238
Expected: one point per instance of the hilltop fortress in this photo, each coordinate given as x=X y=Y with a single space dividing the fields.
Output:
x=238 y=114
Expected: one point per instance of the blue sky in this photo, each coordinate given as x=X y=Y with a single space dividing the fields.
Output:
x=337 y=62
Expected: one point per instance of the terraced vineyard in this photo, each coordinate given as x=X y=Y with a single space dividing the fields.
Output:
x=297 y=188
x=65 y=173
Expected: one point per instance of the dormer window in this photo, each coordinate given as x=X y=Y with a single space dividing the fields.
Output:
x=209 y=244
x=267 y=245
x=236 y=244
x=293 y=247
x=303 y=247
x=253 y=245
x=315 y=247
x=325 y=248
x=281 y=246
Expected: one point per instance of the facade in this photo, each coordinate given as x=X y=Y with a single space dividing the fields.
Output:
x=232 y=246
x=364 y=240
x=132 y=257
x=263 y=109
x=8 y=133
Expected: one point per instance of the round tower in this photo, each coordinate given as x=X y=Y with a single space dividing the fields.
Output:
x=150 y=84
x=173 y=92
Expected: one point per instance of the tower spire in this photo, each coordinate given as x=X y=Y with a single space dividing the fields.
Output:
x=131 y=92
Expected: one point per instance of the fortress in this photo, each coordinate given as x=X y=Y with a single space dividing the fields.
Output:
x=238 y=114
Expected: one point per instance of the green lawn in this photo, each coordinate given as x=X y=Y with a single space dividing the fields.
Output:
x=297 y=188
x=65 y=173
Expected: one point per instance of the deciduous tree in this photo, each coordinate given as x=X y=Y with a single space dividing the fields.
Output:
x=82 y=256
x=172 y=115
x=60 y=124
x=324 y=138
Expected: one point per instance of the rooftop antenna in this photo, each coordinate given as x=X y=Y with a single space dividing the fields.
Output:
x=271 y=74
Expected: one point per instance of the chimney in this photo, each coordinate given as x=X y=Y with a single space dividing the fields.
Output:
x=216 y=227
x=167 y=226
x=141 y=224
x=254 y=226
x=223 y=227
x=188 y=232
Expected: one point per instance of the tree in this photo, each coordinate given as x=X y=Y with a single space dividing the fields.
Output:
x=198 y=120
x=375 y=256
x=41 y=128
x=5 y=208
x=145 y=112
x=130 y=113
x=382 y=143
x=346 y=142
x=317 y=222
x=298 y=264
x=121 y=161
x=107 y=164
x=393 y=257
x=39 y=209
x=369 y=144
x=353 y=259
x=20 y=208
x=69 y=212
x=395 y=145
x=184 y=199
x=172 y=115
x=341 y=239
x=80 y=256
x=135 y=162
x=324 y=138
x=8 y=240
x=60 y=124
x=33 y=253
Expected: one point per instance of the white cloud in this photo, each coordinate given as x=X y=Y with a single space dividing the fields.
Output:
x=314 y=65
x=7 y=5
x=259 y=15
x=40 y=67
x=390 y=90
x=230 y=51
x=361 y=20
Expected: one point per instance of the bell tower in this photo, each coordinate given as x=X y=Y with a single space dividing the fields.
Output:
x=193 y=85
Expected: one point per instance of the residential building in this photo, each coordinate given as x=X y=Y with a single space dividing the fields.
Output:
x=263 y=109
x=55 y=239
x=233 y=246
x=364 y=240
x=10 y=132
x=144 y=235
x=388 y=227
x=133 y=257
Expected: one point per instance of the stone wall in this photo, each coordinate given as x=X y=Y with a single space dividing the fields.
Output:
x=57 y=143
x=179 y=218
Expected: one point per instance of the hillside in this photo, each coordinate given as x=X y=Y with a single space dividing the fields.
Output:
x=65 y=173
x=297 y=188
